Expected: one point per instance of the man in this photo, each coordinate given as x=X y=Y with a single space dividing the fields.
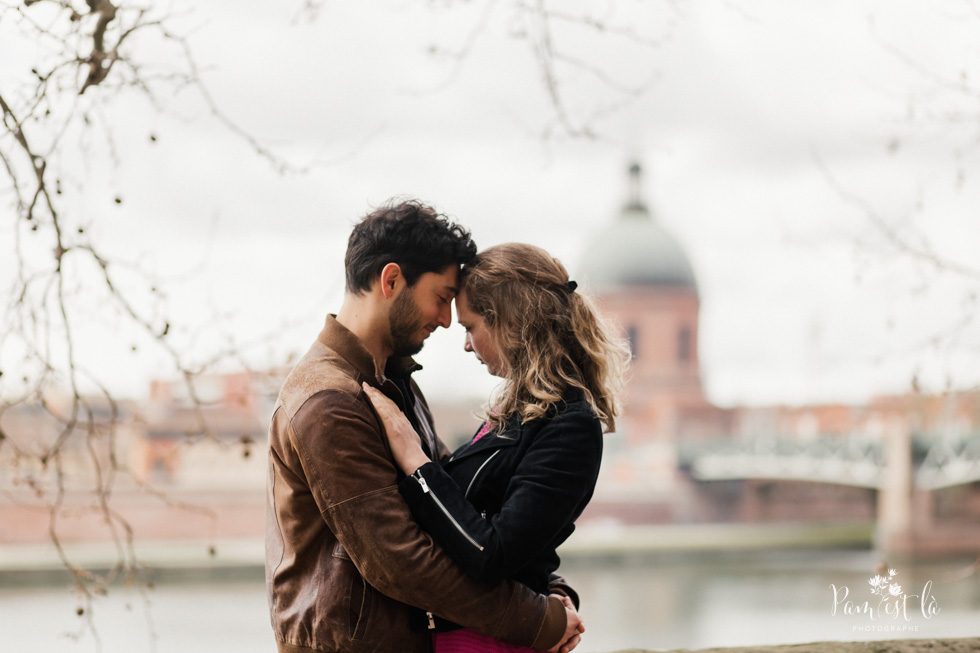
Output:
x=344 y=560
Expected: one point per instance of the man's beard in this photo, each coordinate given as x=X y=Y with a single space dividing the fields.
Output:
x=405 y=322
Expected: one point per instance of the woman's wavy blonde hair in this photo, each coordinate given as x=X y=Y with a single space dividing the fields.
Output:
x=550 y=336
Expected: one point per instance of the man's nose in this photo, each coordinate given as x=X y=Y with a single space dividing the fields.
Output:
x=445 y=316
x=467 y=345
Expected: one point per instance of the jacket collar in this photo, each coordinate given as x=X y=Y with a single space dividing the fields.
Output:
x=342 y=340
x=401 y=367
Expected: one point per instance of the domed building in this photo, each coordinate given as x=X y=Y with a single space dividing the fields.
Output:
x=645 y=282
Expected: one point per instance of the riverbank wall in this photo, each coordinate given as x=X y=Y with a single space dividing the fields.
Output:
x=959 y=645
x=244 y=556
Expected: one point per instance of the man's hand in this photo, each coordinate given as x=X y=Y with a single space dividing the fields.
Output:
x=573 y=628
x=402 y=438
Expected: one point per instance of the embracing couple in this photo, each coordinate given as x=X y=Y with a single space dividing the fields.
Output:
x=377 y=538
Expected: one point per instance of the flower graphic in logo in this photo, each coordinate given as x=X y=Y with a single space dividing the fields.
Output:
x=879 y=584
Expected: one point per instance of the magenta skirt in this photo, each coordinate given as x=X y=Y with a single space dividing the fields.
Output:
x=465 y=640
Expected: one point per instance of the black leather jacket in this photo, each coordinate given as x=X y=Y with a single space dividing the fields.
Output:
x=502 y=505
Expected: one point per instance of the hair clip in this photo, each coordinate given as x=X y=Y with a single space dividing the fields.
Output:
x=570 y=286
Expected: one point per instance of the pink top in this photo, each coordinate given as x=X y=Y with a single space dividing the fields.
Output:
x=470 y=641
x=483 y=431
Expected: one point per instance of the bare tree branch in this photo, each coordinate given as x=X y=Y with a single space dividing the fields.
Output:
x=918 y=248
x=75 y=469
x=551 y=35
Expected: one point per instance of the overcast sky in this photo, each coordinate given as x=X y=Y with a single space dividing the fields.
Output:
x=793 y=148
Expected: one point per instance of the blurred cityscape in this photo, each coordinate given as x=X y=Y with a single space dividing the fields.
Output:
x=905 y=469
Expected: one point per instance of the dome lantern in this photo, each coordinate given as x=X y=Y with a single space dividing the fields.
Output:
x=636 y=189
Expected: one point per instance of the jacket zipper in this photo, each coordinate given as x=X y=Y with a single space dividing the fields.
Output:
x=480 y=469
x=432 y=620
x=425 y=490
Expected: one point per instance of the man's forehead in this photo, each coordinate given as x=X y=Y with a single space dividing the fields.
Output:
x=447 y=279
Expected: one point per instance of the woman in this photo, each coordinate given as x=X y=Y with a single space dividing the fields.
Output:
x=502 y=503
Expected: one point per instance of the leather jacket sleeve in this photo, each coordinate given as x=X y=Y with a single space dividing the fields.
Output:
x=554 y=477
x=336 y=442
x=558 y=585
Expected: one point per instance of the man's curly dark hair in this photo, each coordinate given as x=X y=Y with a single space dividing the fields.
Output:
x=408 y=233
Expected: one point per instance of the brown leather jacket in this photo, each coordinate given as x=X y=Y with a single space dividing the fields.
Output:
x=344 y=559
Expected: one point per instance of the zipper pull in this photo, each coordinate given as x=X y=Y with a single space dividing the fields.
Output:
x=432 y=621
x=421 y=480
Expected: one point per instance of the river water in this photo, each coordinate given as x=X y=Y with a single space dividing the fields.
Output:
x=651 y=602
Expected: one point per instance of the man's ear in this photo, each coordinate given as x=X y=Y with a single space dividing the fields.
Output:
x=391 y=276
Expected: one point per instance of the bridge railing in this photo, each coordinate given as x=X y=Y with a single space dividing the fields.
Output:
x=855 y=460
x=949 y=461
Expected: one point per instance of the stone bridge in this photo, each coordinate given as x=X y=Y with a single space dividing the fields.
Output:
x=903 y=468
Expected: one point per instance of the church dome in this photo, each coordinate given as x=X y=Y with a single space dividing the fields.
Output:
x=636 y=251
